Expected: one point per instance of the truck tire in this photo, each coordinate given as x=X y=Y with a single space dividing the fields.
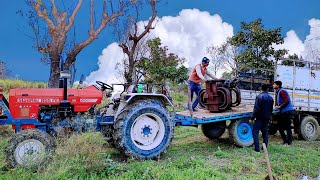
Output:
x=309 y=128
x=31 y=149
x=143 y=130
x=240 y=132
x=214 y=130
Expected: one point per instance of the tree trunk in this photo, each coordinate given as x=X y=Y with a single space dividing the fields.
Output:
x=54 y=74
x=129 y=76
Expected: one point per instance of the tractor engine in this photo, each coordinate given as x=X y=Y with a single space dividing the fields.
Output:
x=60 y=108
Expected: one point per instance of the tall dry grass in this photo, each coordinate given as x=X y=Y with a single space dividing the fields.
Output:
x=7 y=84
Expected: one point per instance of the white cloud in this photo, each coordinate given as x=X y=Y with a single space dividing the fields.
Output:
x=107 y=61
x=312 y=42
x=190 y=33
x=310 y=48
x=292 y=43
x=187 y=35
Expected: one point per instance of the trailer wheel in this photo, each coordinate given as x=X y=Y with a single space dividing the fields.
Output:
x=143 y=130
x=214 y=130
x=31 y=148
x=241 y=133
x=309 y=128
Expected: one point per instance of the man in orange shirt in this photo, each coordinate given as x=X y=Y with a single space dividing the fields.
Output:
x=199 y=74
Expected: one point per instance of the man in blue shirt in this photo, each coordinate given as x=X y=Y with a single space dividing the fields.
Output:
x=287 y=112
x=262 y=113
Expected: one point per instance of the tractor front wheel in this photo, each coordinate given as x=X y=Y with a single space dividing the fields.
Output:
x=143 y=130
x=30 y=148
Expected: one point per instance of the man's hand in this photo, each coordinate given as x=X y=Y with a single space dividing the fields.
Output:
x=250 y=121
x=278 y=107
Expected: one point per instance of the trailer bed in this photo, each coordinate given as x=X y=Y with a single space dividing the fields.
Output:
x=204 y=116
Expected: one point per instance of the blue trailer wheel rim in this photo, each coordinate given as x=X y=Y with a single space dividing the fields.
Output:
x=244 y=132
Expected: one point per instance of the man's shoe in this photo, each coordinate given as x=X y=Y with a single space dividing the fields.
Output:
x=256 y=151
x=195 y=109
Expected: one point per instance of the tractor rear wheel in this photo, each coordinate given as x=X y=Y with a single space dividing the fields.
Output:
x=30 y=148
x=214 y=130
x=241 y=133
x=143 y=130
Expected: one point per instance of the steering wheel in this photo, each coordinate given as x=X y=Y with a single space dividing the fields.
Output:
x=104 y=86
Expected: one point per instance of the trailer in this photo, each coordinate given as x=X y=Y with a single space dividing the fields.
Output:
x=214 y=125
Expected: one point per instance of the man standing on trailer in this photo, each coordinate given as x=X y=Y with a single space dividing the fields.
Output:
x=287 y=112
x=196 y=77
x=261 y=114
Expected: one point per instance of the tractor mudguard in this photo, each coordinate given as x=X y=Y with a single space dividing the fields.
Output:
x=130 y=98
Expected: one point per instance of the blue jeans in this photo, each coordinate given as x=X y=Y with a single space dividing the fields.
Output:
x=194 y=88
x=262 y=126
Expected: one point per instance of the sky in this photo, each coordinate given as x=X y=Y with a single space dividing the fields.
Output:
x=187 y=27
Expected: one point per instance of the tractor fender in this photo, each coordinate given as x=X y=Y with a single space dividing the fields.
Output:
x=133 y=97
x=145 y=96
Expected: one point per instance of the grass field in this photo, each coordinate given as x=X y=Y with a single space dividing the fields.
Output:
x=190 y=156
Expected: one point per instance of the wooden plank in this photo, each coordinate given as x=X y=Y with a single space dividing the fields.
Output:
x=242 y=108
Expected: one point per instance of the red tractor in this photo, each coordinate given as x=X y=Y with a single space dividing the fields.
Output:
x=136 y=123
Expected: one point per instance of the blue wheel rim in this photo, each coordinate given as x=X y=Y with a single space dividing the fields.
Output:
x=244 y=132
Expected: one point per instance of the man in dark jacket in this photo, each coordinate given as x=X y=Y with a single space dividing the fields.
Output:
x=287 y=112
x=262 y=113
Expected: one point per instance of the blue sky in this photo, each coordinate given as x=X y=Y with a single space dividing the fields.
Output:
x=16 y=48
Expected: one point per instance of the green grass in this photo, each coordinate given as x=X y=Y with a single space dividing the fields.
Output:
x=8 y=84
x=190 y=156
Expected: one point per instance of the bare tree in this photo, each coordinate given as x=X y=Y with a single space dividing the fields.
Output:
x=224 y=57
x=215 y=56
x=229 y=55
x=133 y=40
x=313 y=52
x=52 y=27
x=4 y=71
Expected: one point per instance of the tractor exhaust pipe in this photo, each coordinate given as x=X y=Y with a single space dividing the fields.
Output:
x=64 y=75
x=65 y=88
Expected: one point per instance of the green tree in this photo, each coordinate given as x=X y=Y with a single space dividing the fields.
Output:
x=160 y=65
x=289 y=62
x=256 y=43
